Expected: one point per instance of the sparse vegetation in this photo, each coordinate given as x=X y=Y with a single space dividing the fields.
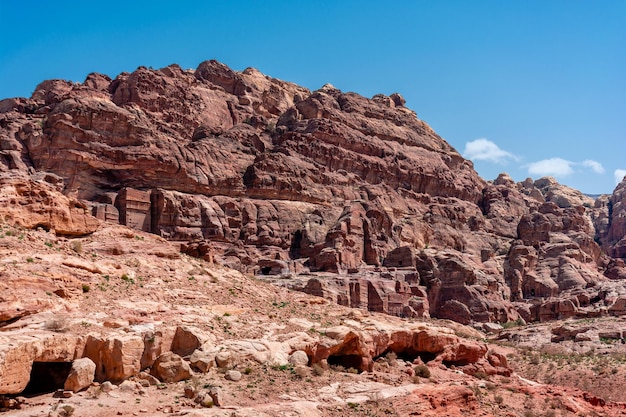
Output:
x=57 y=324
x=77 y=246
x=515 y=323
x=422 y=371
x=128 y=280
x=317 y=369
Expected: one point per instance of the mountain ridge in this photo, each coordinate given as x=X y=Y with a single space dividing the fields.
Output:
x=260 y=173
x=152 y=224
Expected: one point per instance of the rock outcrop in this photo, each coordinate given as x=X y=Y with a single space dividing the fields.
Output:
x=267 y=177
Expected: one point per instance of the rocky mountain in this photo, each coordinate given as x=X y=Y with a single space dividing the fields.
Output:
x=152 y=227
x=352 y=199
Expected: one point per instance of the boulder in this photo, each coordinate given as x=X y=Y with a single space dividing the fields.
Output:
x=202 y=361
x=81 y=375
x=299 y=357
x=170 y=367
x=116 y=357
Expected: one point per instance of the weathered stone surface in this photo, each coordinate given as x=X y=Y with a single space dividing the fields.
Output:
x=202 y=361
x=117 y=358
x=18 y=353
x=233 y=375
x=29 y=202
x=187 y=339
x=358 y=348
x=299 y=357
x=614 y=236
x=618 y=308
x=81 y=375
x=169 y=367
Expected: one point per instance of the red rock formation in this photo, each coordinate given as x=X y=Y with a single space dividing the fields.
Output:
x=37 y=202
x=615 y=239
x=270 y=178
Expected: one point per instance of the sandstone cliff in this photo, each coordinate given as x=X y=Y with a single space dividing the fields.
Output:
x=352 y=199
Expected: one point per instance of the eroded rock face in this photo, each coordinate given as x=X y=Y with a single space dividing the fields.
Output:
x=37 y=202
x=270 y=178
x=18 y=356
x=117 y=358
x=615 y=238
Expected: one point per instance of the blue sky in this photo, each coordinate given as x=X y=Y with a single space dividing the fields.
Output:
x=530 y=88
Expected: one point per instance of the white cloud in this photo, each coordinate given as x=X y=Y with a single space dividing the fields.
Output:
x=485 y=150
x=594 y=165
x=555 y=167
x=619 y=175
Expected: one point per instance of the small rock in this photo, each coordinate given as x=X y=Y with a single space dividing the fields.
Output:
x=583 y=337
x=299 y=357
x=302 y=371
x=492 y=328
x=144 y=376
x=190 y=392
x=223 y=359
x=107 y=386
x=61 y=393
x=206 y=401
x=202 y=361
x=128 y=386
x=116 y=323
x=217 y=396
x=233 y=375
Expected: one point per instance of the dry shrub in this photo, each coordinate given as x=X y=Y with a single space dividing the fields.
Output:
x=57 y=324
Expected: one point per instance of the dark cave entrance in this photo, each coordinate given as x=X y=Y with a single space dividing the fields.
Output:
x=409 y=356
x=449 y=364
x=47 y=377
x=296 y=242
x=347 y=361
x=266 y=270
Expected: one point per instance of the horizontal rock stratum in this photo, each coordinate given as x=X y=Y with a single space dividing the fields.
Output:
x=353 y=199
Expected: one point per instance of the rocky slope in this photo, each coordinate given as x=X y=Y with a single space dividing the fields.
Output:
x=355 y=199
x=120 y=323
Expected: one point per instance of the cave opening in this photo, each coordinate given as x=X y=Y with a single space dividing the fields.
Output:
x=409 y=356
x=45 y=227
x=296 y=242
x=347 y=361
x=46 y=377
x=449 y=364
x=266 y=270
